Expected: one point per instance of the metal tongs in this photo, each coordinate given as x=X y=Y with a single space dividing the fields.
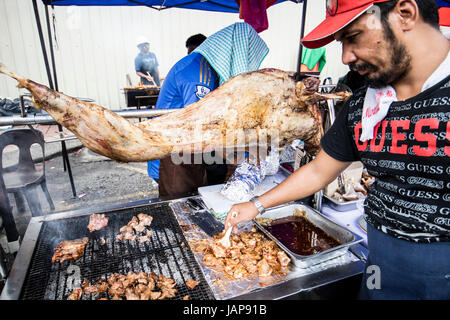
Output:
x=201 y=216
x=153 y=80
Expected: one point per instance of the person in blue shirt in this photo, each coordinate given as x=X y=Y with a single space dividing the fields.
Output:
x=191 y=43
x=189 y=80
x=146 y=64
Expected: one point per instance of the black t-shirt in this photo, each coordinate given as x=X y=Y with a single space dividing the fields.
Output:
x=410 y=159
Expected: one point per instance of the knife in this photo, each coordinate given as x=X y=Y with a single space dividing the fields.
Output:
x=203 y=218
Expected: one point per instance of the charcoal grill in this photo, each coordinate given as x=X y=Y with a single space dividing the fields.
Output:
x=33 y=276
x=167 y=253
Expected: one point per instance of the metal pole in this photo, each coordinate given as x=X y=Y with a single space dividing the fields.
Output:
x=41 y=38
x=47 y=67
x=48 y=120
x=6 y=213
x=302 y=34
x=65 y=155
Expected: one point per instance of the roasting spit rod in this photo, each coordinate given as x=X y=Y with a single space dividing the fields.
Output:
x=47 y=119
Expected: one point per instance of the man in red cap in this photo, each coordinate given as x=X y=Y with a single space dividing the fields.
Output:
x=398 y=127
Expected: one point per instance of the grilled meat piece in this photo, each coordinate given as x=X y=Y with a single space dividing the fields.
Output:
x=136 y=224
x=69 y=250
x=145 y=219
x=268 y=101
x=97 y=222
x=75 y=294
x=191 y=284
x=283 y=258
x=264 y=269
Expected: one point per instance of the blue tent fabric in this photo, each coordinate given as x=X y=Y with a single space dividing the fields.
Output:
x=443 y=3
x=208 y=5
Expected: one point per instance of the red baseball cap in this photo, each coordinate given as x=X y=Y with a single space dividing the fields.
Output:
x=444 y=16
x=340 y=13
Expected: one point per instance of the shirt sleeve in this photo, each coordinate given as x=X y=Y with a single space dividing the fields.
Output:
x=338 y=141
x=169 y=91
x=137 y=64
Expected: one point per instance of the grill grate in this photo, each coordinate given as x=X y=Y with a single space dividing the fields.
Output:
x=167 y=253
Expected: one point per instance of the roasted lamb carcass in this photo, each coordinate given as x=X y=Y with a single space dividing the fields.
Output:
x=97 y=222
x=69 y=250
x=267 y=103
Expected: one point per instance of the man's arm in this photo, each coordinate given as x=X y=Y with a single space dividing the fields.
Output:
x=305 y=181
x=143 y=75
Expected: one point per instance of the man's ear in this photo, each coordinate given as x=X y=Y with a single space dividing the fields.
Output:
x=408 y=14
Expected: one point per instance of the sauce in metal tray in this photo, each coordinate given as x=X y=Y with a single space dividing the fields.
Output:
x=301 y=236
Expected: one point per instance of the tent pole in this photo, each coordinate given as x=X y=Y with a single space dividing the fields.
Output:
x=47 y=66
x=302 y=34
x=50 y=42
x=66 y=161
x=41 y=38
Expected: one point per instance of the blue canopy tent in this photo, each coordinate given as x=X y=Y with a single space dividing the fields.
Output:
x=444 y=12
x=206 y=5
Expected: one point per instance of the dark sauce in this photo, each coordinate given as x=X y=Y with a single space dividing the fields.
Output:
x=300 y=236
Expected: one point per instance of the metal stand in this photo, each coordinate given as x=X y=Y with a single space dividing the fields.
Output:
x=302 y=34
x=326 y=87
x=52 y=85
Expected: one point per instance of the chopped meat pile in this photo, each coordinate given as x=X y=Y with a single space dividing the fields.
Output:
x=355 y=190
x=97 y=222
x=250 y=253
x=136 y=229
x=69 y=250
x=133 y=286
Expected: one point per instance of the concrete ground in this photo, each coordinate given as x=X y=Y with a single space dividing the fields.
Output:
x=98 y=180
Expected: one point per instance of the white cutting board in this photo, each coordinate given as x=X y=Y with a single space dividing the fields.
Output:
x=216 y=201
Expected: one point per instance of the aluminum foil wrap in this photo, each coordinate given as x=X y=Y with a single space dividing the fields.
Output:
x=288 y=153
x=242 y=184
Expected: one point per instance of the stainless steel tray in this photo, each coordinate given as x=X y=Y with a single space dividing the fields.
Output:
x=342 y=205
x=345 y=237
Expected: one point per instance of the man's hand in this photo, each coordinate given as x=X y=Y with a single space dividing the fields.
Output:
x=149 y=78
x=245 y=211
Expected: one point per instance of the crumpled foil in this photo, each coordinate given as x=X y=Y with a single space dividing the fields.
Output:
x=270 y=165
x=288 y=152
x=242 y=184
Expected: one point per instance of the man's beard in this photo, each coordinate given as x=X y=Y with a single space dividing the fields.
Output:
x=400 y=61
